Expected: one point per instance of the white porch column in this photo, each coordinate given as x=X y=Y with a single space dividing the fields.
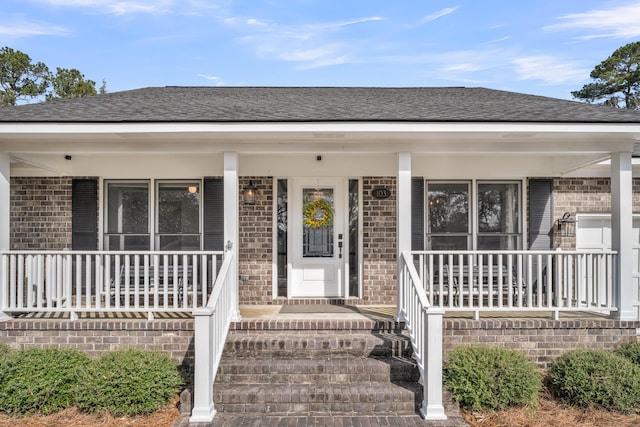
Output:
x=203 y=407
x=4 y=221
x=621 y=233
x=231 y=222
x=4 y=201
x=403 y=206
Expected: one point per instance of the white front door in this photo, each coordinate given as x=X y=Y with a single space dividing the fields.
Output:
x=317 y=238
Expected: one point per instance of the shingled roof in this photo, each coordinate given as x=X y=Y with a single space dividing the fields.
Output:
x=315 y=104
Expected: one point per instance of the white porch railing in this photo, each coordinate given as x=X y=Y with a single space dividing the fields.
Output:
x=424 y=325
x=211 y=328
x=106 y=281
x=552 y=281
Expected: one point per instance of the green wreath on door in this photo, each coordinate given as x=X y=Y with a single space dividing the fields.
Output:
x=317 y=214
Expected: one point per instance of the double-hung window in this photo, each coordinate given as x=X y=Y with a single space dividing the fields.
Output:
x=483 y=215
x=448 y=215
x=153 y=215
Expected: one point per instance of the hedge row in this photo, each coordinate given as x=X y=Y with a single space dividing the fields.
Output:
x=124 y=382
x=492 y=378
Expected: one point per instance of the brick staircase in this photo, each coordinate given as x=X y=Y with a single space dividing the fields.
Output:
x=318 y=373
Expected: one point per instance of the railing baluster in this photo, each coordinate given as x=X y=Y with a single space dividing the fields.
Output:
x=204 y=279
x=549 y=281
x=490 y=279
x=117 y=280
x=146 y=281
x=185 y=283
x=509 y=274
x=165 y=281
x=106 y=286
x=87 y=266
x=481 y=282
x=500 y=281
x=127 y=281
x=68 y=281
x=99 y=280
x=176 y=281
x=39 y=266
x=13 y=282
x=156 y=281
x=519 y=261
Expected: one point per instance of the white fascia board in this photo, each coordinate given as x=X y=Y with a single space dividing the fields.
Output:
x=333 y=129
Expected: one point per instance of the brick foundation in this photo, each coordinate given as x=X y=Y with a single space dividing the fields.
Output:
x=95 y=337
x=541 y=340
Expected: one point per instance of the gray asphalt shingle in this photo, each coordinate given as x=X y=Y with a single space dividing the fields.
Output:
x=316 y=104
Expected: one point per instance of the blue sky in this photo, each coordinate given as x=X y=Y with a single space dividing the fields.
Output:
x=543 y=47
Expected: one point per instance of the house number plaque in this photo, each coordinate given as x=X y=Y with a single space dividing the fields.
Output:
x=381 y=193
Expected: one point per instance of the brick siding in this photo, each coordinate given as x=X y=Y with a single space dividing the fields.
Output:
x=255 y=248
x=379 y=223
x=40 y=213
x=584 y=195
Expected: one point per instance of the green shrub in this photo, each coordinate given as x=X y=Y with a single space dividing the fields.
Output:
x=128 y=382
x=39 y=381
x=4 y=350
x=596 y=377
x=491 y=378
x=629 y=350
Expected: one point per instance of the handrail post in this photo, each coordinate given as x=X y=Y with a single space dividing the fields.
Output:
x=432 y=407
x=4 y=283
x=203 y=408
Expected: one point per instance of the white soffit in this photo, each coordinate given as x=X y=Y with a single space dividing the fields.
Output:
x=332 y=137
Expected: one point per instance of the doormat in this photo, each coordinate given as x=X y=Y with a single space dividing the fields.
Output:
x=317 y=308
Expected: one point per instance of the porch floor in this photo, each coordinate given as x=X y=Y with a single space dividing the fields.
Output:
x=319 y=312
x=322 y=312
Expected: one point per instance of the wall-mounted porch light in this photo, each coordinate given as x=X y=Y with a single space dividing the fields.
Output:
x=249 y=194
x=566 y=225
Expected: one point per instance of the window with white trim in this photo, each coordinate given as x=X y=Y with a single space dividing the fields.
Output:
x=167 y=219
x=483 y=215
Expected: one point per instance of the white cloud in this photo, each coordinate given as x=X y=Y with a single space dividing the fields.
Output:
x=439 y=14
x=215 y=79
x=620 y=22
x=19 y=29
x=501 y=39
x=337 y=25
x=116 y=7
x=308 y=45
x=256 y=23
x=550 y=70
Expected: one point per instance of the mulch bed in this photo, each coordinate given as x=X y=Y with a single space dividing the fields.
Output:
x=551 y=413
x=71 y=417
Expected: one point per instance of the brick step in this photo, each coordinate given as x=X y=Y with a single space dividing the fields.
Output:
x=325 y=399
x=314 y=345
x=386 y=420
x=316 y=371
x=319 y=325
